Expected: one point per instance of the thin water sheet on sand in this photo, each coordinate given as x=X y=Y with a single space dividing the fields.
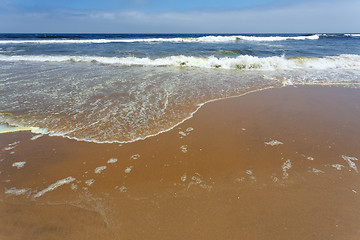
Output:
x=276 y=164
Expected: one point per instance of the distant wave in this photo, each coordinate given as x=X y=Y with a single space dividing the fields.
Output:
x=348 y=35
x=205 y=39
x=243 y=62
x=352 y=35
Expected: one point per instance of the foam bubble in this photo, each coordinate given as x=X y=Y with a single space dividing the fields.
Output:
x=337 y=166
x=36 y=137
x=182 y=134
x=99 y=169
x=350 y=161
x=15 y=191
x=285 y=167
x=135 y=156
x=54 y=186
x=74 y=186
x=183 y=177
x=316 y=171
x=18 y=165
x=11 y=146
x=189 y=129
x=184 y=148
x=89 y=182
x=273 y=143
x=112 y=160
x=128 y=169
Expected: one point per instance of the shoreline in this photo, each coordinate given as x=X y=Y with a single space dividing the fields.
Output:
x=39 y=131
x=257 y=166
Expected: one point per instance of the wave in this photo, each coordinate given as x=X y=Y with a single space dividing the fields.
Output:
x=347 y=35
x=205 y=39
x=243 y=62
x=352 y=35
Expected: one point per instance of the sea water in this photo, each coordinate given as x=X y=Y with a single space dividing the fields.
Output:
x=125 y=87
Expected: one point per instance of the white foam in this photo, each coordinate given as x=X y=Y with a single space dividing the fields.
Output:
x=243 y=62
x=316 y=171
x=128 y=169
x=18 y=165
x=183 y=177
x=112 y=160
x=36 y=137
x=74 y=186
x=277 y=38
x=54 y=186
x=273 y=143
x=352 y=35
x=205 y=39
x=17 y=192
x=241 y=179
x=135 y=156
x=184 y=148
x=196 y=180
x=285 y=167
x=11 y=146
x=337 y=166
x=99 y=169
x=89 y=182
x=350 y=161
x=183 y=134
x=10 y=129
x=186 y=132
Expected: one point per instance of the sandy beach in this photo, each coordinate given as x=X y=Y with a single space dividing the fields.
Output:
x=274 y=164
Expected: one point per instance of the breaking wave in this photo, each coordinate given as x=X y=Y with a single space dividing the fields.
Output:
x=205 y=39
x=244 y=62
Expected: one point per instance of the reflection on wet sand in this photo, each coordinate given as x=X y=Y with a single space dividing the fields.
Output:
x=276 y=164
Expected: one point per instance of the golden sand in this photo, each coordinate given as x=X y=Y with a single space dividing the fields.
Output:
x=276 y=164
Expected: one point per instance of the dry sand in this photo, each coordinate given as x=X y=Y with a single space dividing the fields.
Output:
x=261 y=166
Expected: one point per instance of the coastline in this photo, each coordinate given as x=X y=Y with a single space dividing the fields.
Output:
x=255 y=166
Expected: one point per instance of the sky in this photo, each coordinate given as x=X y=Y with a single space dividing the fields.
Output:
x=179 y=16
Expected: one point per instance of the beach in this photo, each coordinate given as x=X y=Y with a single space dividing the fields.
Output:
x=279 y=163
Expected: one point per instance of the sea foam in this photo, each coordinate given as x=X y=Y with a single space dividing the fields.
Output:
x=15 y=191
x=54 y=186
x=243 y=62
x=19 y=165
x=204 y=39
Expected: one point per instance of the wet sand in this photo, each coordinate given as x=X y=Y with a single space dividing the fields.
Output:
x=275 y=164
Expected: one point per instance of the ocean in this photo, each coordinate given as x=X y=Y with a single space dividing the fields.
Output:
x=120 y=88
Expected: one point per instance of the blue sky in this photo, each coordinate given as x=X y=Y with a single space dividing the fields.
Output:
x=176 y=16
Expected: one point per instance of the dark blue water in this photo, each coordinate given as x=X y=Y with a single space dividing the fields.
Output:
x=325 y=45
x=123 y=87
